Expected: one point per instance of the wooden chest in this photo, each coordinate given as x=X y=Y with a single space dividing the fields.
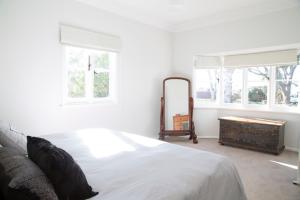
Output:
x=256 y=134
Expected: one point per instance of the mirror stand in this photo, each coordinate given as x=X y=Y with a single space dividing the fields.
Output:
x=180 y=128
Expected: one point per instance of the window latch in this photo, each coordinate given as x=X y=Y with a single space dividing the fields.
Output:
x=89 y=66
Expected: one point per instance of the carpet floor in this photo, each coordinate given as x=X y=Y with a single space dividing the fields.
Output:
x=265 y=176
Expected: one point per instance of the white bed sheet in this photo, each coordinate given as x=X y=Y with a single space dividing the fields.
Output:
x=122 y=166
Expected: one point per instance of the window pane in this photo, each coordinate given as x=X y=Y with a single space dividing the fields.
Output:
x=76 y=84
x=258 y=78
x=288 y=72
x=257 y=93
x=76 y=58
x=287 y=85
x=101 y=84
x=296 y=75
x=258 y=74
x=287 y=93
x=232 y=84
x=100 y=60
x=207 y=81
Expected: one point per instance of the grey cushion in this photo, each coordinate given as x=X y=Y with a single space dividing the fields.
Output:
x=21 y=179
x=12 y=138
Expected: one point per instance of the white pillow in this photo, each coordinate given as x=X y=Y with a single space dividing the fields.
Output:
x=12 y=138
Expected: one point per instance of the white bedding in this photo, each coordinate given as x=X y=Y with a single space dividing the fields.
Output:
x=122 y=166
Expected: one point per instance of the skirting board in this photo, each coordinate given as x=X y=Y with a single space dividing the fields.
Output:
x=291 y=149
x=217 y=137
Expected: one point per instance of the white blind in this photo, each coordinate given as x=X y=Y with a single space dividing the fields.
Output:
x=260 y=59
x=207 y=61
x=89 y=39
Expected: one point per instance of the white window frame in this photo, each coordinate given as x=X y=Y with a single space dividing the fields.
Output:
x=199 y=103
x=245 y=90
x=89 y=99
x=271 y=106
x=283 y=106
x=222 y=103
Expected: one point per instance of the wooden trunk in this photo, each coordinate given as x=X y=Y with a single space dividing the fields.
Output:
x=256 y=134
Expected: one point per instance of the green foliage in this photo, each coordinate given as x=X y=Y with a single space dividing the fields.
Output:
x=101 y=79
x=257 y=94
x=101 y=84
x=76 y=84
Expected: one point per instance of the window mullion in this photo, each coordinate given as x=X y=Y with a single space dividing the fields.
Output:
x=298 y=106
x=272 y=85
x=245 y=87
x=298 y=65
x=89 y=71
x=221 y=87
x=299 y=98
x=111 y=69
x=218 y=71
x=65 y=75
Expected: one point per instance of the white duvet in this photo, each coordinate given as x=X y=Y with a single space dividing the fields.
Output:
x=122 y=166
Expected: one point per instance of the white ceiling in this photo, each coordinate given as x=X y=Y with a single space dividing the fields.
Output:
x=179 y=15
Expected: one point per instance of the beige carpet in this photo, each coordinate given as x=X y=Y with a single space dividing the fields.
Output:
x=263 y=178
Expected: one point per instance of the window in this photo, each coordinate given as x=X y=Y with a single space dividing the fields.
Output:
x=232 y=85
x=287 y=85
x=257 y=85
x=89 y=74
x=207 y=85
x=263 y=81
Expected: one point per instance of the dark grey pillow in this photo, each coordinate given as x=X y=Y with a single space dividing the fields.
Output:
x=65 y=174
x=21 y=179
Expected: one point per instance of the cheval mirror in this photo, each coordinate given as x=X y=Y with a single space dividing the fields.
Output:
x=176 y=115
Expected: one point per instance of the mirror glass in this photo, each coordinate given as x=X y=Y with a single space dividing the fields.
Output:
x=176 y=104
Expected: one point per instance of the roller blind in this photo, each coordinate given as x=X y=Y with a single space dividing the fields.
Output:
x=207 y=62
x=89 y=39
x=261 y=59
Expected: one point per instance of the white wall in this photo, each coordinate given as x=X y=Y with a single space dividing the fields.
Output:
x=31 y=69
x=275 y=29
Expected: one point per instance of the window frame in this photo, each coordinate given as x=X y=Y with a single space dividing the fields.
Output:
x=283 y=106
x=194 y=89
x=222 y=101
x=270 y=106
x=245 y=89
x=89 y=80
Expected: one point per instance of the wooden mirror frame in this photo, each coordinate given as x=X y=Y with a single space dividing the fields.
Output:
x=191 y=131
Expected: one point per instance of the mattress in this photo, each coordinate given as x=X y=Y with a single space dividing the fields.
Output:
x=123 y=166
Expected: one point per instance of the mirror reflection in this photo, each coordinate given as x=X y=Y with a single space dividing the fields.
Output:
x=177 y=104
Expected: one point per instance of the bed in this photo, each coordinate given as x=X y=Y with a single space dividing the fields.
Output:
x=120 y=165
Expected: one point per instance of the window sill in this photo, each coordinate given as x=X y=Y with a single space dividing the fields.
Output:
x=251 y=109
x=101 y=102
